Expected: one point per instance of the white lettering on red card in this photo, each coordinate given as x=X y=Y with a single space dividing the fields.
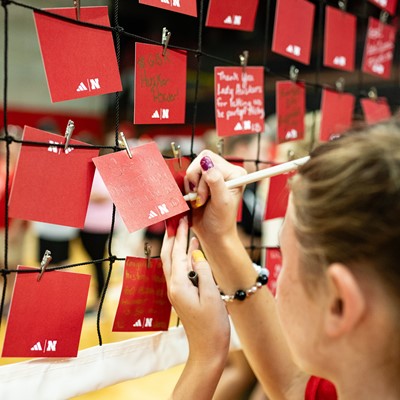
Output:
x=187 y=7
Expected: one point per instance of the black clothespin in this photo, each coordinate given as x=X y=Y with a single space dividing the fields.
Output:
x=147 y=253
x=68 y=133
x=244 y=59
x=176 y=150
x=293 y=73
x=166 y=35
x=44 y=263
x=77 y=5
x=339 y=84
x=373 y=93
x=125 y=144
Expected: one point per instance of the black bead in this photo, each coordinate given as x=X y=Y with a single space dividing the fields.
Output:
x=240 y=295
x=263 y=279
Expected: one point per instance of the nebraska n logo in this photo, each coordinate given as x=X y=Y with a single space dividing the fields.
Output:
x=91 y=84
x=51 y=346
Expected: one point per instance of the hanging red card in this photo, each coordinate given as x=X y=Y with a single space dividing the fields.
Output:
x=379 y=48
x=46 y=317
x=160 y=85
x=336 y=113
x=340 y=39
x=278 y=196
x=51 y=185
x=143 y=305
x=387 y=5
x=274 y=265
x=290 y=110
x=375 y=110
x=187 y=7
x=239 y=100
x=233 y=14
x=294 y=22
x=142 y=187
x=79 y=61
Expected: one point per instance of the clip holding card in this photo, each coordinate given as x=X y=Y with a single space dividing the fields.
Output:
x=44 y=263
x=176 y=150
x=68 y=133
x=244 y=58
x=166 y=35
x=125 y=143
x=384 y=16
x=339 y=84
x=342 y=5
x=220 y=147
x=373 y=93
x=293 y=73
x=290 y=155
x=147 y=253
x=77 y=5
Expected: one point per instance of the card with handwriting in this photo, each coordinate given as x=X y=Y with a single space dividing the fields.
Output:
x=274 y=265
x=387 y=5
x=239 y=100
x=233 y=14
x=187 y=7
x=336 y=114
x=375 y=110
x=52 y=185
x=339 y=39
x=278 y=196
x=294 y=23
x=160 y=85
x=379 y=48
x=46 y=316
x=290 y=110
x=142 y=187
x=78 y=61
x=143 y=305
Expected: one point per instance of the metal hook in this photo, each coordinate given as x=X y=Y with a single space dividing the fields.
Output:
x=44 y=263
x=68 y=133
x=166 y=35
x=176 y=150
x=77 y=5
x=293 y=73
x=125 y=143
x=147 y=253
x=244 y=58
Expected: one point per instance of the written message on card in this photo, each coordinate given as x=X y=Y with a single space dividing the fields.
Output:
x=187 y=7
x=239 y=100
x=160 y=85
x=142 y=187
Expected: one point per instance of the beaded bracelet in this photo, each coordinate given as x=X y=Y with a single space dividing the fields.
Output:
x=262 y=279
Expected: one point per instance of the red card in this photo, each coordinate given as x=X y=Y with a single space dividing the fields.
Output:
x=379 y=48
x=278 y=196
x=274 y=265
x=187 y=7
x=340 y=39
x=233 y=14
x=46 y=317
x=144 y=304
x=51 y=185
x=160 y=85
x=337 y=113
x=387 y=5
x=142 y=187
x=375 y=110
x=239 y=100
x=294 y=23
x=79 y=61
x=290 y=110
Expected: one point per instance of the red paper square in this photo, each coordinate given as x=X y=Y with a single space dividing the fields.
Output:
x=379 y=48
x=336 y=113
x=290 y=110
x=79 y=61
x=51 y=185
x=294 y=23
x=142 y=187
x=239 y=100
x=46 y=317
x=160 y=85
x=144 y=304
x=187 y=7
x=274 y=265
x=387 y=5
x=375 y=110
x=278 y=196
x=340 y=39
x=233 y=14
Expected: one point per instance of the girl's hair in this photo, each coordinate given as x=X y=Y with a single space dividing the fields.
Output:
x=347 y=204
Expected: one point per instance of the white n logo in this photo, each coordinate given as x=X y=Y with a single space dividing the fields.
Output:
x=94 y=83
x=165 y=113
x=176 y=3
x=165 y=1
x=51 y=345
x=163 y=209
x=148 y=322
x=237 y=19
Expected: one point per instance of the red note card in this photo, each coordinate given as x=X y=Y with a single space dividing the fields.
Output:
x=340 y=39
x=290 y=110
x=278 y=196
x=336 y=113
x=274 y=265
x=79 y=61
x=51 y=185
x=160 y=85
x=187 y=7
x=142 y=187
x=294 y=22
x=143 y=305
x=233 y=14
x=239 y=100
x=375 y=110
x=46 y=317
x=379 y=48
x=387 y=5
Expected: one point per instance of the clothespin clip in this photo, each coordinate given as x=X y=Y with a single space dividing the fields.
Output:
x=220 y=147
x=244 y=58
x=68 y=133
x=125 y=144
x=290 y=155
x=293 y=73
x=384 y=16
x=77 y=5
x=166 y=35
x=44 y=263
x=373 y=93
x=147 y=253
x=342 y=5
x=339 y=84
x=176 y=150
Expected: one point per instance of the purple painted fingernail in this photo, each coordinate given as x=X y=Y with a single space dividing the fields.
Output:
x=191 y=186
x=206 y=163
